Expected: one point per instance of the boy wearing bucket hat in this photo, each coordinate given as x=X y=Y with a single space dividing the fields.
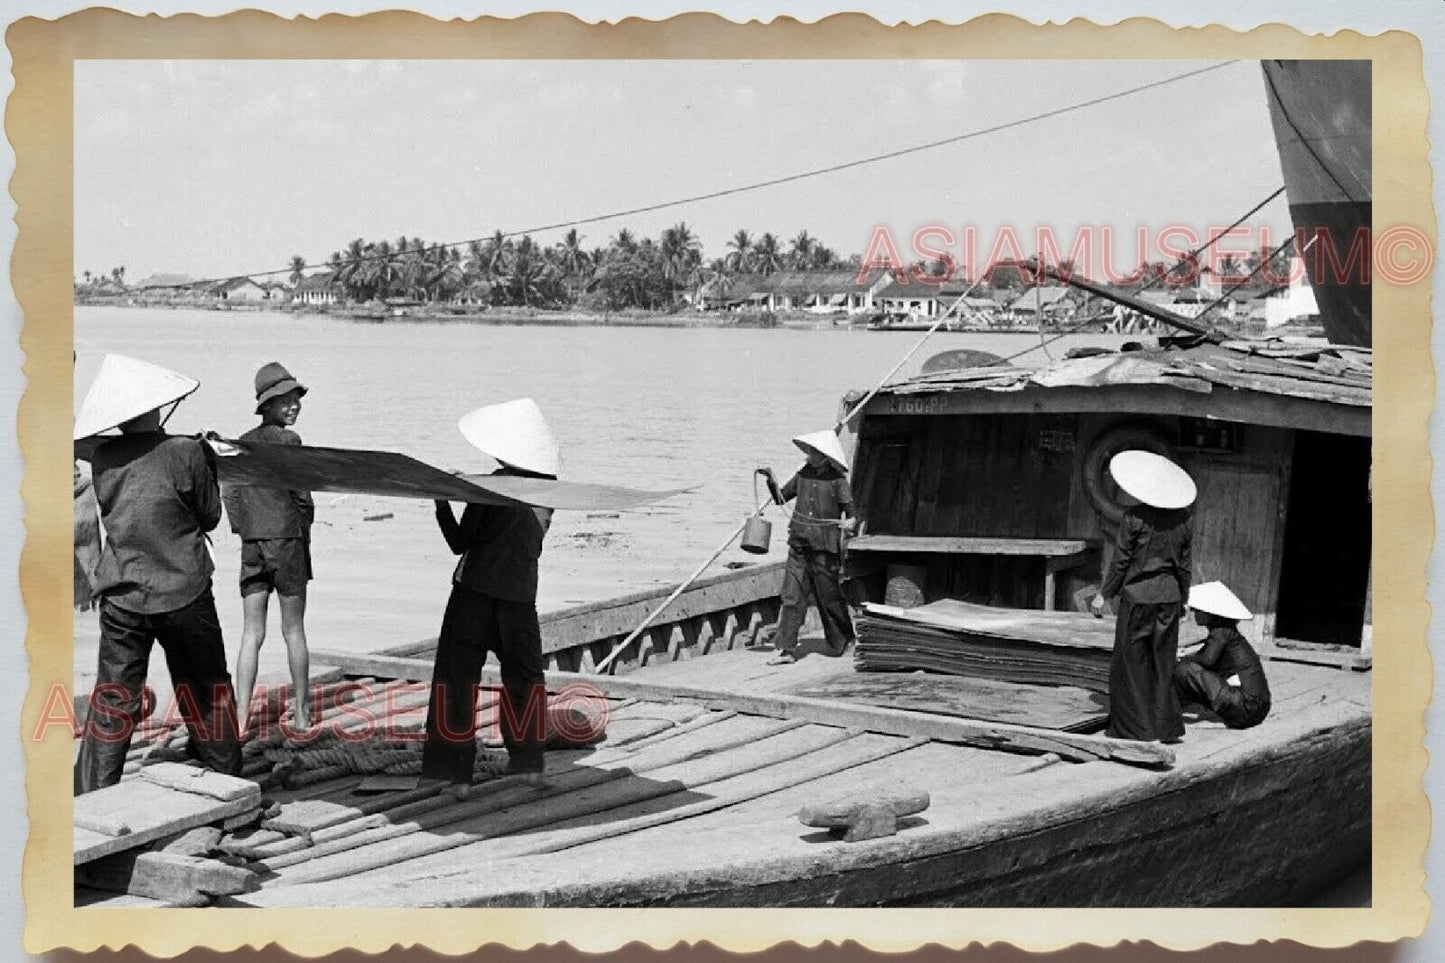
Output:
x=1150 y=574
x=158 y=497
x=493 y=605
x=275 y=530
x=1226 y=674
x=815 y=546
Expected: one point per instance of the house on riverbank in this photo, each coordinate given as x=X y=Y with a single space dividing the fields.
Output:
x=317 y=289
x=239 y=289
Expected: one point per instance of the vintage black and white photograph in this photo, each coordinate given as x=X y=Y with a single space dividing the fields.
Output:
x=724 y=483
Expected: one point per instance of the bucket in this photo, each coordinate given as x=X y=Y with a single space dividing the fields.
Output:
x=756 y=533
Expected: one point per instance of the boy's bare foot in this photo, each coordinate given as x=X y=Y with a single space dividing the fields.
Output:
x=783 y=658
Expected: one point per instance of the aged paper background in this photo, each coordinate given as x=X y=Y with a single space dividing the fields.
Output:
x=38 y=123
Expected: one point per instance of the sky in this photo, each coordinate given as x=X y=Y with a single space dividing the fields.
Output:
x=221 y=168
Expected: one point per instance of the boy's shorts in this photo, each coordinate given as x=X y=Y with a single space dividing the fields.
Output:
x=283 y=564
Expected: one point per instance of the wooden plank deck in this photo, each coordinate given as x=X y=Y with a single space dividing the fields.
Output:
x=720 y=819
x=693 y=801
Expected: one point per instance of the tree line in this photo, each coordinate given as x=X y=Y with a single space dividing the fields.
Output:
x=629 y=272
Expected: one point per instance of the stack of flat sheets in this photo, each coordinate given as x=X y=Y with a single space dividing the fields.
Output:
x=1022 y=646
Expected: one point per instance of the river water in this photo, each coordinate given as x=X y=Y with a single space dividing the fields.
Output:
x=654 y=408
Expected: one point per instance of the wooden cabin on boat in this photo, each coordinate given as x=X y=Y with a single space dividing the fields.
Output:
x=991 y=485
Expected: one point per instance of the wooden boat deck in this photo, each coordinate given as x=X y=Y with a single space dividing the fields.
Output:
x=694 y=802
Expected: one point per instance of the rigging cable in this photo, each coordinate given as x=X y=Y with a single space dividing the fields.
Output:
x=773 y=182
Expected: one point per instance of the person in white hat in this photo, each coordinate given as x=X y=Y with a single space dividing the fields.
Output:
x=275 y=530
x=158 y=497
x=493 y=606
x=821 y=515
x=1150 y=574
x=1225 y=675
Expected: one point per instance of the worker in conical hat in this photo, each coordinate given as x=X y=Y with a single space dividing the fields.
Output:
x=1225 y=675
x=1150 y=575
x=158 y=497
x=821 y=516
x=274 y=525
x=493 y=605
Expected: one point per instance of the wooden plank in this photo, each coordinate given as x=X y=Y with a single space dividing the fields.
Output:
x=1249 y=404
x=426 y=813
x=152 y=812
x=1066 y=629
x=1355 y=660
x=199 y=780
x=851 y=753
x=989 y=735
x=165 y=876
x=1066 y=708
x=529 y=816
x=1045 y=547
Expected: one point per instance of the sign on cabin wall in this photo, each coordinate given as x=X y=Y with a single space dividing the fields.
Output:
x=1057 y=439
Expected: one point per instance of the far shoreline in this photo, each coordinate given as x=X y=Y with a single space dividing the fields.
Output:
x=563 y=318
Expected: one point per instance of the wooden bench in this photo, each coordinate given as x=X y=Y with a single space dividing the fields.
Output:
x=1058 y=554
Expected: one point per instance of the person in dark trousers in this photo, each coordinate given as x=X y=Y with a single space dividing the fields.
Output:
x=493 y=607
x=1150 y=574
x=158 y=497
x=275 y=529
x=1225 y=675
x=821 y=515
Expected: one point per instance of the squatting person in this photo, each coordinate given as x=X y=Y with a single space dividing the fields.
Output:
x=1225 y=675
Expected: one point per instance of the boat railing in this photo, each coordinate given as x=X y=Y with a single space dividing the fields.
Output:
x=714 y=614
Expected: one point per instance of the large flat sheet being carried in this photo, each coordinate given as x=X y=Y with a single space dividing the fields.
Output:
x=389 y=473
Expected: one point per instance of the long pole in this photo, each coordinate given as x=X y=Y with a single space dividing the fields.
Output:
x=842 y=422
x=602 y=666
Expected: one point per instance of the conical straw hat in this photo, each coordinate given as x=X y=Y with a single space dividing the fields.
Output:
x=1216 y=599
x=126 y=388
x=514 y=433
x=1153 y=479
x=826 y=444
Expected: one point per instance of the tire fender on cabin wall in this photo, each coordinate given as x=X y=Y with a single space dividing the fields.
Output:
x=1100 y=488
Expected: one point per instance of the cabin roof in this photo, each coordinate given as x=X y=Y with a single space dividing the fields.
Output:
x=1336 y=374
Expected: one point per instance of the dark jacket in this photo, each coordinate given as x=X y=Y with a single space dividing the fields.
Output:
x=499 y=546
x=258 y=513
x=158 y=497
x=1151 y=556
x=822 y=497
x=1228 y=653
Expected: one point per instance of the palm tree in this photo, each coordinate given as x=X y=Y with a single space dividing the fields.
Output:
x=498 y=254
x=681 y=254
x=352 y=263
x=766 y=255
x=624 y=241
x=298 y=263
x=87 y=276
x=800 y=255
x=740 y=258
x=572 y=261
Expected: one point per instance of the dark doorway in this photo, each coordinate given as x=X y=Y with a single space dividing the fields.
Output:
x=1325 y=571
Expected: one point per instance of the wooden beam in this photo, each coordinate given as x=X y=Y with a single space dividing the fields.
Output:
x=1031 y=740
x=166 y=876
x=972 y=545
x=1222 y=402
